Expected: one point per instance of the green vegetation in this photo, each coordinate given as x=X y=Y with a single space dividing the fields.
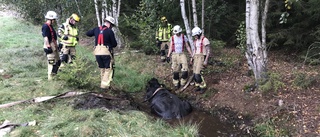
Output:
x=270 y=129
x=273 y=83
x=24 y=77
x=303 y=80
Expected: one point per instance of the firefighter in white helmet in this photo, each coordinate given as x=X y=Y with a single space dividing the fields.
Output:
x=69 y=38
x=105 y=41
x=178 y=44
x=50 y=44
x=200 y=59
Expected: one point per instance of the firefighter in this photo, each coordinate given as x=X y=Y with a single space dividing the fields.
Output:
x=163 y=35
x=104 y=43
x=50 y=44
x=178 y=44
x=200 y=59
x=68 y=34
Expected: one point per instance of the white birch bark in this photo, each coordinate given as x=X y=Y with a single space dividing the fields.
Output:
x=248 y=40
x=115 y=11
x=256 y=50
x=104 y=11
x=186 y=23
x=254 y=37
x=194 y=13
x=263 y=31
x=97 y=12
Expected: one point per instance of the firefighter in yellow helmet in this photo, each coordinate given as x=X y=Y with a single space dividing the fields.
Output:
x=69 y=38
x=50 y=44
x=163 y=34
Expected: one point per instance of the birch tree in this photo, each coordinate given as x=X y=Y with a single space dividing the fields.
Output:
x=186 y=23
x=194 y=13
x=256 y=53
x=97 y=12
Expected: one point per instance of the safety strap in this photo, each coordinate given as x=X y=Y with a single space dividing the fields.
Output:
x=154 y=93
x=201 y=44
x=100 y=37
x=172 y=39
x=51 y=31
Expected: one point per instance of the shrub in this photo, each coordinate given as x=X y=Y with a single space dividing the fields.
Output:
x=303 y=80
x=273 y=83
x=82 y=73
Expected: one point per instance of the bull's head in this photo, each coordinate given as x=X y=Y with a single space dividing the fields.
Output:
x=152 y=86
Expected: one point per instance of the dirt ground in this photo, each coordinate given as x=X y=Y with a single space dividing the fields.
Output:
x=290 y=107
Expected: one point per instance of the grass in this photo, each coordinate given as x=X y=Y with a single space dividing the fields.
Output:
x=23 y=60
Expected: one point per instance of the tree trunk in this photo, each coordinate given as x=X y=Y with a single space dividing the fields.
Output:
x=194 y=13
x=186 y=23
x=190 y=12
x=97 y=12
x=248 y=40
x=256 y=51
x=104 y=11
x=115 y=14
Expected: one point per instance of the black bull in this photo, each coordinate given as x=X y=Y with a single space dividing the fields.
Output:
x=165 y=104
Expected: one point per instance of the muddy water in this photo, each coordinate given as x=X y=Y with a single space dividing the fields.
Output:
x=209 y=126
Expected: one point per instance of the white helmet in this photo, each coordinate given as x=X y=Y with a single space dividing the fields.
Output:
x=51 y=15
x=177 y=29
x=196 y=31
x=110 y=19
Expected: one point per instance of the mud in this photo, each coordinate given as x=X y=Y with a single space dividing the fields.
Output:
x=220 y=122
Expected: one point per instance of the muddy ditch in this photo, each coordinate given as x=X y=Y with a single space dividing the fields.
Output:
x=217 y=122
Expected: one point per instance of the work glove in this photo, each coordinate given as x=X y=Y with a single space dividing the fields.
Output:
x=48 y=50
x=168 y=59
x=65 y=37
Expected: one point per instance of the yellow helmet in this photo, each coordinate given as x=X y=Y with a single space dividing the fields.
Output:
x=163 y=19
x=75 y=17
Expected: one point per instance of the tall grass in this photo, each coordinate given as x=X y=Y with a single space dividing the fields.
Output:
x=24 y=76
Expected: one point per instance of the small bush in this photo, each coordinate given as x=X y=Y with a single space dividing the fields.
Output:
x=82 y=73
x=303 y=80
x=273 y=83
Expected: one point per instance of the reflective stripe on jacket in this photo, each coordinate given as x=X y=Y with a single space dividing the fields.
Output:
x=164 y=33
x=71 y=32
